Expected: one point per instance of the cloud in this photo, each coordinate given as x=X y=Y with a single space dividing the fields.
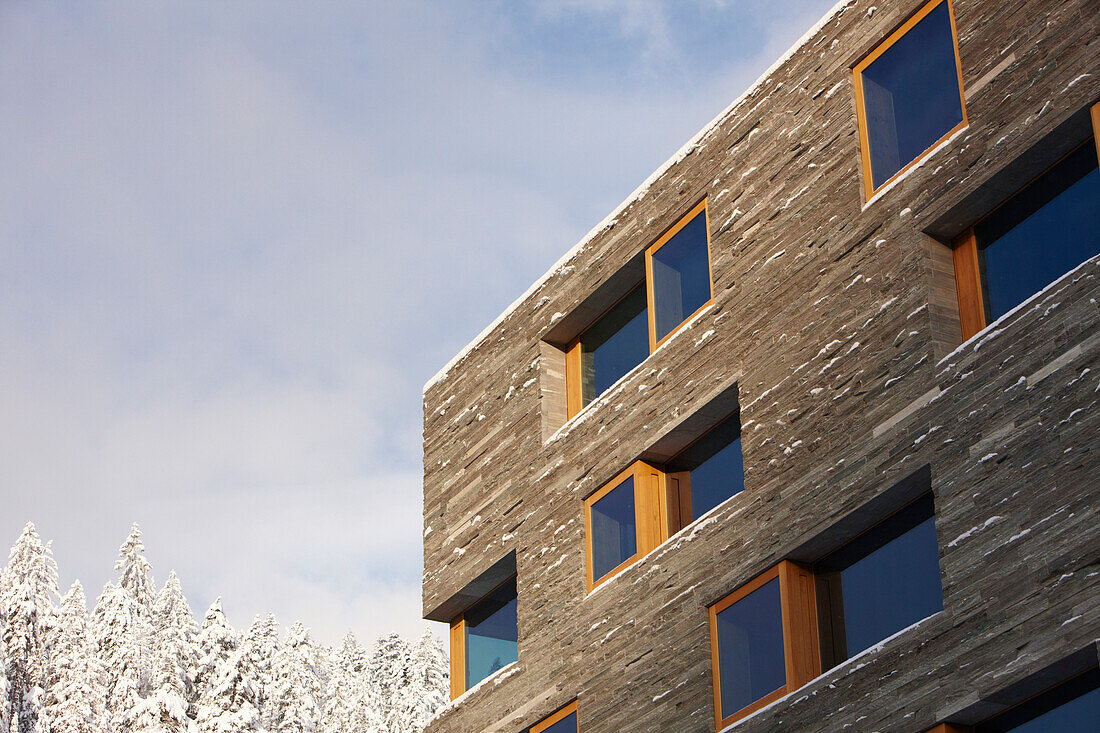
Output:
x=235 y=239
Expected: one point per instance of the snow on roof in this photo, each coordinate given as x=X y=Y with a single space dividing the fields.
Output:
x=638 y=193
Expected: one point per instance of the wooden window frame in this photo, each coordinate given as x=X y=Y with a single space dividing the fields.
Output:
x=801 y=656
x=557 y=718
x=969 y=286
x=869 y=188
x=683 y=221
x=458 y=642
x=650 y=516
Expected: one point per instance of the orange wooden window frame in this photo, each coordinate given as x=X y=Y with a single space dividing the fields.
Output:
x=951 y=728
x=869 y=187
x=968 y=284
x=458 y=644
x=801 y=656
x=557 y=718
x=650 y=516
x=458 y=656
x=699 y=208
x=968 y=271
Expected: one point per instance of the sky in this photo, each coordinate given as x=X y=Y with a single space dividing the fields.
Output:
x=236 y=239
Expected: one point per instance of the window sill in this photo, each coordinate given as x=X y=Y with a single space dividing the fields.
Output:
x=607 y=395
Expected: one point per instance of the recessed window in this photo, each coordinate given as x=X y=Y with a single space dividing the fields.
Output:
x=677 y=285
x=878 y=584
x=563 y=721
x=707 y=472
x=1071 y=706
x=678 y=273
x=608 y=349
x=623 y=521
x=762 y=641
x=1039 y=234
x=485 y=638
x=909 y=94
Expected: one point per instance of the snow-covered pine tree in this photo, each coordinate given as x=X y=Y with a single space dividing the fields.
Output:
x=5 y=701
x=388 y=671
x=226 y=679
x=262 y=642
x=28 y=589
x=296 y=688
x=176 y=655
x=124 y=635
x=427 y=687
x=76 y=696
x=347 y=703
x=135 y=572
x=123 y=626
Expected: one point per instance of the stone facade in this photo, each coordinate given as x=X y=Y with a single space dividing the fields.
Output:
x=835 y=327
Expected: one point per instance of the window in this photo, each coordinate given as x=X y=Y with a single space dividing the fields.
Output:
x=1071 y=706
x=763 y=641
x=645 y=504
x=909 y=94
x=879 y=583
x=677 y=285
x=678 y=274
x=706 y=473
x=1036 y=236
x=607 y=350
x=778 y=631
x=563 y=721
x=484 y=638
x=623 y=521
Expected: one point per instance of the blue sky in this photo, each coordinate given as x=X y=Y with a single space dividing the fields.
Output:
x=237 y=238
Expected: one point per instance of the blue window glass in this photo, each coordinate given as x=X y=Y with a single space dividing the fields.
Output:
x=614 y=529
x=750 y=648
x=716 y=465
x=568 y=724
x=880 y=583
x=681 y=276
x=1072 y=706
x=615 y=344
x=911 y=95
x=492 y=633
x=1041 y=233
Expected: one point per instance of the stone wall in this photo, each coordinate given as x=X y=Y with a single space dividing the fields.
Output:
x=834 y=320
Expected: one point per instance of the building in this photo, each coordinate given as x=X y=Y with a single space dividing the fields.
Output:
x=804 y=435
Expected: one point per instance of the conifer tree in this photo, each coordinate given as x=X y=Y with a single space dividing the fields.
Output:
x=76 y=696
x=295 y=683
x=427 y=686
x=346 y=691
x=135 y=572
x=126 y=639
x=5 y=701
x=388 y=670
x=124 y=635
x=262 y=642
x=226 y=679
x=28 y=588
x=176 y=655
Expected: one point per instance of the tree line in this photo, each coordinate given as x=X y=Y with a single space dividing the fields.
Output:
x=140 y=663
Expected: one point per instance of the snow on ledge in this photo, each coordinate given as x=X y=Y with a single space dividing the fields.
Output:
x=992 y=330
x=639 y=193
x=846 y=667
x=925 y=157
x=495 y=679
